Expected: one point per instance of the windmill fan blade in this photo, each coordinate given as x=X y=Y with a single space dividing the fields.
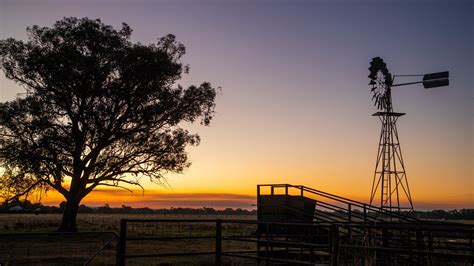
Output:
x=373 y=68
x=378 y=72
x=376 y=60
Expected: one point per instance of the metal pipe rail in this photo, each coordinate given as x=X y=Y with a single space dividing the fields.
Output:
x=412 y=242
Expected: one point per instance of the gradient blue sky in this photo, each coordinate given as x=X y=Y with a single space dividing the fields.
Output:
x=295 y=105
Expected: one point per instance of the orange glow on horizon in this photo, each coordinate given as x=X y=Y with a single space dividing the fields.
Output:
x=157 y=199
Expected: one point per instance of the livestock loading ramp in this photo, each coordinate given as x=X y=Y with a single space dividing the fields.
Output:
x=286 y=202
x=385 y=235
x=300 y=204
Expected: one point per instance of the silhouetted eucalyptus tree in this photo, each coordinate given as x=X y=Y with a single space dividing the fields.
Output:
x=100 y=111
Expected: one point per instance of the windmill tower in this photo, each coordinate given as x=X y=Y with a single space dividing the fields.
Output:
x=390 y=183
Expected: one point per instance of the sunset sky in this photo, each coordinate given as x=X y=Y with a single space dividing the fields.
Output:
x=295 y=106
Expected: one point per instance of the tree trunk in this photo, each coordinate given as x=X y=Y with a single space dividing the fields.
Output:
x=68 y=223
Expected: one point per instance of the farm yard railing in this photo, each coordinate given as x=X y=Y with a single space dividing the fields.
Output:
x=330 y=243
x=214 y=241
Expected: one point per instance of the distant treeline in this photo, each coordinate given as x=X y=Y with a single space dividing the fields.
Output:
x=28 y=207
x=462 y=214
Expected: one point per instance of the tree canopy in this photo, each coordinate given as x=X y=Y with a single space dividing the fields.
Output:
x=99 y=110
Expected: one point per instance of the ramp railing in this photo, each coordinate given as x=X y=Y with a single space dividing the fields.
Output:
x=331 y=207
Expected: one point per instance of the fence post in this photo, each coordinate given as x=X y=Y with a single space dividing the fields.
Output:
x=385 y=236
x=267 y=250
x=470 y=239
x=218 y=241
x=365 y=213
x=349 y=211
x=121 y=243
x=334 y=244
x=386 y=254
x=420 y=245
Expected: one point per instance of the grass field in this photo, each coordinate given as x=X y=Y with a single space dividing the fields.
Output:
x=89 y=222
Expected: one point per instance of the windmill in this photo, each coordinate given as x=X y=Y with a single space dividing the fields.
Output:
x=390 y=182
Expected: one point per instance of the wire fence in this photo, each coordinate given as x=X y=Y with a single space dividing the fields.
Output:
x=81 y=248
